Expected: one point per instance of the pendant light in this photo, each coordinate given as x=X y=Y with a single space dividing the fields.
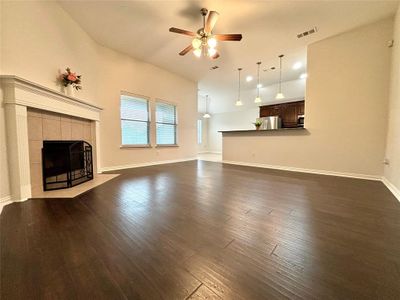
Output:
x=206 y=115
x=258 y=99
x=238 y=101
x=280 y=95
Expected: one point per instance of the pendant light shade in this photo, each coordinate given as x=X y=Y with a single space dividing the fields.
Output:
x=206 y=115
x=280 y=95
x=238 y=101
x=258 y=98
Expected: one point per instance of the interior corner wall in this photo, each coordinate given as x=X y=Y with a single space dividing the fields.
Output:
x=39 y=39
x=345 y=112
x=392 y=170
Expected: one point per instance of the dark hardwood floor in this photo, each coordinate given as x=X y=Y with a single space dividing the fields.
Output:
x=204 y=230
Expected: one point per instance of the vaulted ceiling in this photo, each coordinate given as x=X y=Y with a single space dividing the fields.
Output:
x=269 y=28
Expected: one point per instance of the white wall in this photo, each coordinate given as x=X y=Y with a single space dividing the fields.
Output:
x=233 y=119
x=38 y=39
x=392 y=171
x=345 y=112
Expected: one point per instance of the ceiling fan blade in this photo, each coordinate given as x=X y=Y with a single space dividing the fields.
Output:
x=228 y=37
x=182 y=31
x=211 y=20
x=186 y=50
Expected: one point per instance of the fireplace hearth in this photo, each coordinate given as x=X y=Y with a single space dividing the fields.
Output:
x=66 y=164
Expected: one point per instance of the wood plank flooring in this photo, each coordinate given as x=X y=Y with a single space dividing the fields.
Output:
x=206 y=230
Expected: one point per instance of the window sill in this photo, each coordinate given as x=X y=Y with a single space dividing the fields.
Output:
x=164 y=146
x=134 y=146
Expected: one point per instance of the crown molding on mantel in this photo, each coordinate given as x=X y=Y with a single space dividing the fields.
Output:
x=24 y=92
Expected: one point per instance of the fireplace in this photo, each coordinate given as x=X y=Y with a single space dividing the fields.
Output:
x=66 y=164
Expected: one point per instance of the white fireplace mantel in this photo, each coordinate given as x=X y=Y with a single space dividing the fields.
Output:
x=18 y=95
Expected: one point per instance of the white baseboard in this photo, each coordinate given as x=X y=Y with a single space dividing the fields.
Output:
x=147 y=164
x=391 y=187
x=210 y=152
x=302 y=170
x=5 y=199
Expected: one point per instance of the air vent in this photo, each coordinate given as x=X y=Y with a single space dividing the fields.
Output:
x=308 y=32
x=214 y=68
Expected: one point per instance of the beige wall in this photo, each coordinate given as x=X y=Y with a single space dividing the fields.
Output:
x=38 y=39
x=346 y=109
x=120 y=72
x=392 y=171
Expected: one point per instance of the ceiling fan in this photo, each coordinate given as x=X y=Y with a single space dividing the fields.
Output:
x=204 y=41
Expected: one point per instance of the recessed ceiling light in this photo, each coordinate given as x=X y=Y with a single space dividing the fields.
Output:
x=297 y=65
x=259 y=86
x=303 y=76
x=249 y=78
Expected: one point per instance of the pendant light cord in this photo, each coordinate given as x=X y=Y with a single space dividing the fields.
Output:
x=280 y=74
x=240 y=69
x=258 y=79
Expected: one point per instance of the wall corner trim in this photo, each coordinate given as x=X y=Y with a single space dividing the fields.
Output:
x=391 y=187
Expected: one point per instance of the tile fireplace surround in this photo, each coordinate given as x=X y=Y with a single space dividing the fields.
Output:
x=57 y=116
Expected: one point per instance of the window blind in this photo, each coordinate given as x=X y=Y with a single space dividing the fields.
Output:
x=134 y=120
x=165 y=124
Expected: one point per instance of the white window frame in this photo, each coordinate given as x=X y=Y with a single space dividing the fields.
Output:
x=176 y=123
x=148 y=145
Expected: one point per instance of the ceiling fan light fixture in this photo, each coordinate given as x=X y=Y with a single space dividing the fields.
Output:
x=212 y=42
x=204 y=37
x=197 y=52
x=196 y=43
x=211 y=52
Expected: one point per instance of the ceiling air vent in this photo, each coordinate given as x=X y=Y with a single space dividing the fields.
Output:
x=214 y=68
x=308 y=32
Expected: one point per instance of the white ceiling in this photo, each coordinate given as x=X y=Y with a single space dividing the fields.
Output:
x=269 y=28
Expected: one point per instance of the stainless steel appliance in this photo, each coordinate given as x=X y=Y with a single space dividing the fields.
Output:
x=271 y=123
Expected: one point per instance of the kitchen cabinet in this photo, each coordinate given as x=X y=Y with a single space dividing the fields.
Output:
x=288 y=112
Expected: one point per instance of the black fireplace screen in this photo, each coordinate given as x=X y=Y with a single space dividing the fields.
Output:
x=66 y=164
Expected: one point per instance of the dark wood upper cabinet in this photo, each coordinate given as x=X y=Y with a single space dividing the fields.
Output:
x=288 y=112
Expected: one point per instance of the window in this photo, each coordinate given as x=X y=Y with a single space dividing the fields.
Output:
x=199 y=132
x=166 y=124
x=134 y=120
